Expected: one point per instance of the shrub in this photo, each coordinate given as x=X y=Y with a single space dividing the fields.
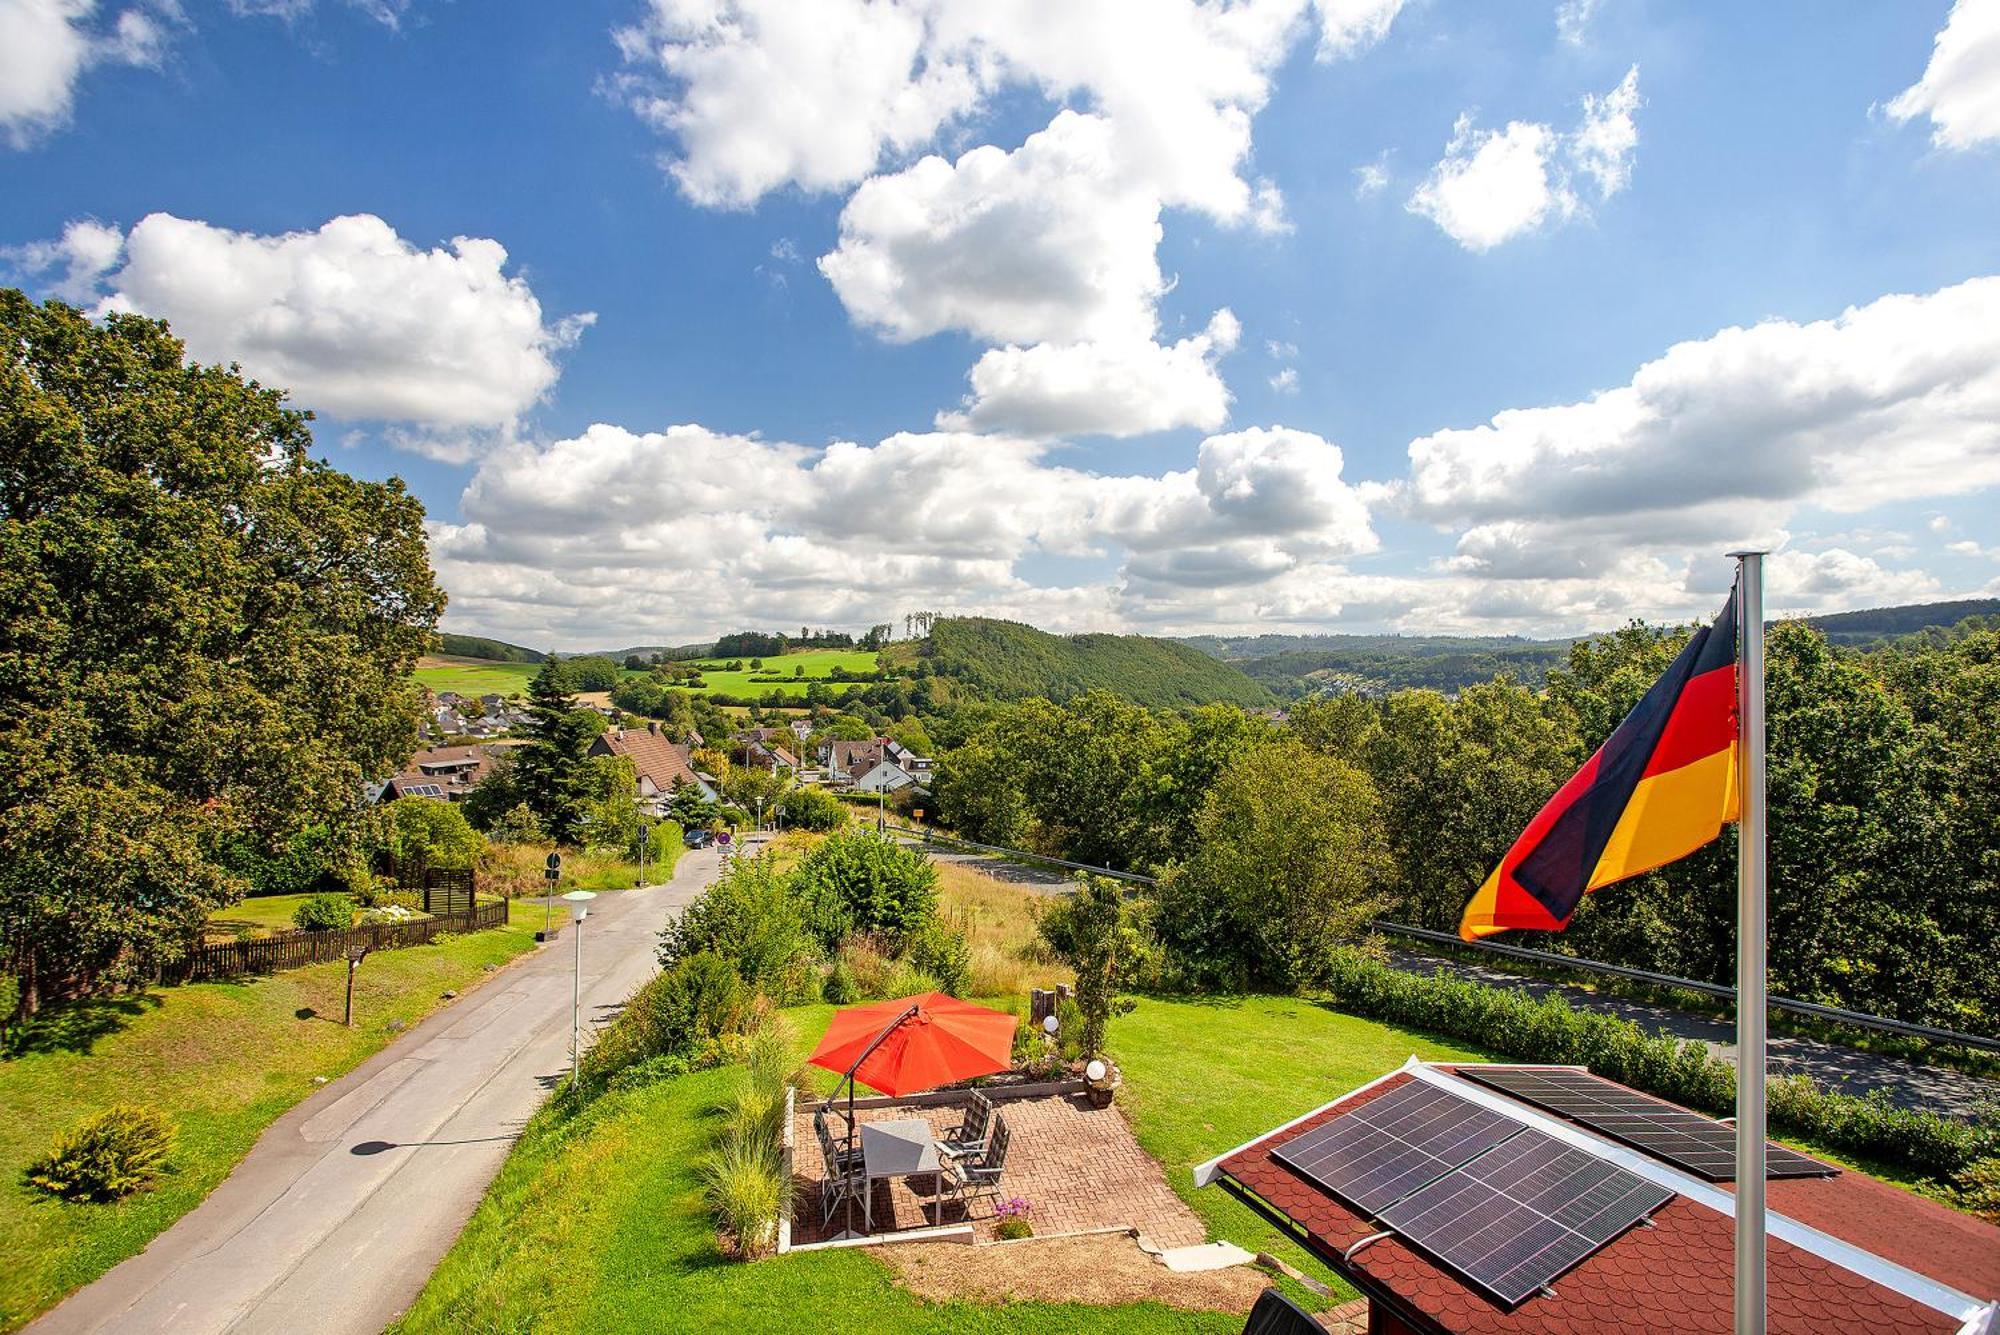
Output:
x=840 y=989
x=939 y=949
x=425 y=832
x=1685 y=1071
x=106 y=1155
x=753 y=917
x=678 y=1013
x=743 y=1184
x=905 y=979
x=812 y=809
x=859 y=881
x=325 y=913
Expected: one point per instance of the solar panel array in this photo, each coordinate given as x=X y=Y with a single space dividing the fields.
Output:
x=1701 y=1145
x=1521 y=1214
x=1394 y=1143
x=1506 y=1206
x=424 y=790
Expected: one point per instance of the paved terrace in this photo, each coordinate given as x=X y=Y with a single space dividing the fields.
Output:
x=1078 y=1166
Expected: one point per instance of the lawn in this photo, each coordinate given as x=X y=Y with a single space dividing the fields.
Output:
x=262 y=914
x=222 y=1060
x=475 y=676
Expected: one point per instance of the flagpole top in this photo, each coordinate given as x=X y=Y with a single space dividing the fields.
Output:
x=1752 y=551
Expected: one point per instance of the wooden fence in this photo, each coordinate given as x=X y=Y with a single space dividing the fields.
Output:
x=296 y=949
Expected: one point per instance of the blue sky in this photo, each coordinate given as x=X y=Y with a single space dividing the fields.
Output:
x=1143 y=314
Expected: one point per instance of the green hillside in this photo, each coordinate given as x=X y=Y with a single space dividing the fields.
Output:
x=1010 y=661
x=1880 y=623
x=478 y=646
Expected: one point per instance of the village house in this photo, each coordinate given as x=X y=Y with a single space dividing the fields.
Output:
x=662 y=763
x=446 y=773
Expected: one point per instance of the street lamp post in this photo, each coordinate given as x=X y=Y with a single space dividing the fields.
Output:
x=579 y=909
x=645 y=841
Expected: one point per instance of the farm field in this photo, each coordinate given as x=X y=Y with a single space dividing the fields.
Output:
x=817 y=665
x=475 y=676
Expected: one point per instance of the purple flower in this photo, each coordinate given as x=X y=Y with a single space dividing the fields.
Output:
x=1017 y=1208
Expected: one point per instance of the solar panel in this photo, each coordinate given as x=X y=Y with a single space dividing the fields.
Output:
x=424 y=790
x=1393 y=1144
x=1521 y=1214
x=1701 y=1145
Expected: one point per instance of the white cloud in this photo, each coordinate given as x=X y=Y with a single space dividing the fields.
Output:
x=759 y=94
x=77 y=261
x=1722 y=440
x=1118 y=387
x=46 y=46
x=389 y=13
x=1960 y=89
x=1371 y=178
x=1050 y=242
x=1494 y=185
x=353 y=319
x=1573 y=20
x=615 y=534
x=1285 y=381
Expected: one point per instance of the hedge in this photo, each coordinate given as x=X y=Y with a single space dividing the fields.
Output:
x=1549 y=1029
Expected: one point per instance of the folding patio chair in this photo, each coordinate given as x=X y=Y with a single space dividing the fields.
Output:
x=979 y=1175
x=969 y=1136
x=838 y=1149
x=843 y=1182
x=1275 y=1314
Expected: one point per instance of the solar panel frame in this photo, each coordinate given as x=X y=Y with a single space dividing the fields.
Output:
x=1394 y=1144
x=1523 y=1213
x=1697 y=1144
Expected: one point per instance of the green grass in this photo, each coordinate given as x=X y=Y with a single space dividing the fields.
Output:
x=818 y=663
x=1205 y=1076
x=262 y=914
x=222 y=1060
x=476 y=677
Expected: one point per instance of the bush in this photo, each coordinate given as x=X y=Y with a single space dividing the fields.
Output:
x=106 y=1155
x=812 y=809
x=1551 y=1030
x=680 y=1013
x=425 y=832
x=753 y=916
x=840 y=989
x=940 y=950
x=744 y=1186
x=859 y=881
x=907 y=980
x=325 y=913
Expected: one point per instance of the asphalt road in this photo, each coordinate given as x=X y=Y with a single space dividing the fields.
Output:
x=336 y=1218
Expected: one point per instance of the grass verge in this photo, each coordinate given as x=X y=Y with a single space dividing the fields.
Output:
x=221 y=1060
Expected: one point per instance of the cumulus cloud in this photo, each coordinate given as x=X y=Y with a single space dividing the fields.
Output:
x=388 y=13
x=1116 y=387
x=1050 y=242
x=758 y=94
x=615 y=532
x=73 y=265
x=1721 y=441
x=46 y=47
x=1494 y=185
x=1285 y=381
x=1573 y=20
x=1960 y=88
x=353 y=319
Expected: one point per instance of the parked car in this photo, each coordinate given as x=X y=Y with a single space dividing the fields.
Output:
x=696 y=839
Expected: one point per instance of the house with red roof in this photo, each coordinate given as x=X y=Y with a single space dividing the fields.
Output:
x=1466 y=1198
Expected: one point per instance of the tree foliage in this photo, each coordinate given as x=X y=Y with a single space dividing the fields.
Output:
x=207 y=638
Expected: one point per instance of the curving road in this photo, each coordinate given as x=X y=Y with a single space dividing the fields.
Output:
x=335 y=1220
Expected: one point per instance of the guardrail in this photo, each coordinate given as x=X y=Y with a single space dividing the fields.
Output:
x=1022 y=855
x=1837 y=1014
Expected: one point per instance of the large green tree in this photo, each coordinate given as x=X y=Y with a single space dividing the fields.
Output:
x=205 y=638
x=553 y=773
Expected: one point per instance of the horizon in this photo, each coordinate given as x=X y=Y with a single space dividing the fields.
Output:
x=1275 y=317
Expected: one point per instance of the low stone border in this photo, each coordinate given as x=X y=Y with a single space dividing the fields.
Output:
x=785 y=1154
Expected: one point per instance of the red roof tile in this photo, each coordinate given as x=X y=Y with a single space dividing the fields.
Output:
x=1673 y=1276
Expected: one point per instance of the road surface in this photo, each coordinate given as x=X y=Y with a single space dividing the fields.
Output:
x=335 y=1220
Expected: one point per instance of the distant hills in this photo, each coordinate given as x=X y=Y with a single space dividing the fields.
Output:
x=478 y=646
x=1007 y=660
x=1882 y=623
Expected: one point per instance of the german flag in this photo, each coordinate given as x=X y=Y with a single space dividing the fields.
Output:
x=1662 y=785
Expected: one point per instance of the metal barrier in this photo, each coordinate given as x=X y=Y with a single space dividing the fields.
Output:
x=1862 y=1019
x=1022 y=855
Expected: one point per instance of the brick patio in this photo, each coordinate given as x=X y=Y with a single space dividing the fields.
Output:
x=1078 y=1166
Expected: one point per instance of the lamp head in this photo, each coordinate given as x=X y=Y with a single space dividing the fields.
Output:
x=579 y=904
x=1094 y=1072
x=1050 y=1024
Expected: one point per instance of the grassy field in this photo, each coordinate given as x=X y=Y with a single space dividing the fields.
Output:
x=475 y=676
x=263 y=915
x=816 y=663
x=222 y=1060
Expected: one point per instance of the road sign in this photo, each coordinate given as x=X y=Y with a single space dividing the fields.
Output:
x=554 y=865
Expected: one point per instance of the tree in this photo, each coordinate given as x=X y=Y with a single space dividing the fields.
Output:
x=978 y=792
x=206 y=638
x=1088 y=931
x=860 y=881
x=551 y=773
x=426 y=833
x=1289 y=865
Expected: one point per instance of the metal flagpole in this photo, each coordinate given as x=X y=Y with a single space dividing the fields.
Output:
x=1750 y=928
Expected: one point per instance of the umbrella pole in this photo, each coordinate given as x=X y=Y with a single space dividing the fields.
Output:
x=866 y=1053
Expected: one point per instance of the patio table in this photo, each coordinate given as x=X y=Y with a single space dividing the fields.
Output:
x=901 y=1148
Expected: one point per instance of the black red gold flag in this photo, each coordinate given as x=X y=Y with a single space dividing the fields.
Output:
x=1662 y=785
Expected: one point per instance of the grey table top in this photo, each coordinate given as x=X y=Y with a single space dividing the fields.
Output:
x=898 y=1148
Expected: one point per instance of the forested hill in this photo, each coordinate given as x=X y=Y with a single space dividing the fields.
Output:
x=1880 y=623
x=1295 y=665
x=478 y=646
x=1010 y=661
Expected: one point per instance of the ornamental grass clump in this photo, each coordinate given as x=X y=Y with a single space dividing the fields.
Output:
x=105 y=1156
x=743 y=1185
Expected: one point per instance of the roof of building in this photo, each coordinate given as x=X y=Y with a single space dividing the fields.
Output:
x=1843 y=1253
x=450 y=770
x=656 y=756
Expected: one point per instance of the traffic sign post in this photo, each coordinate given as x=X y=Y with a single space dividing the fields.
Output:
x=552 y=873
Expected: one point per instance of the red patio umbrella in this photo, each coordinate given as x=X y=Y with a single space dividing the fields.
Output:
x=916 y=1043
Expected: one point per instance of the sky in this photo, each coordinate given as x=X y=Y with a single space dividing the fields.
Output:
x=1169 y=316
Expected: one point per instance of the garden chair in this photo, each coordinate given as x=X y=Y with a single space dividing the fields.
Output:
x=1275 y=1314
x=969 y=1136
x=979 y=1175
x=838 y=1150
x=843 y=1182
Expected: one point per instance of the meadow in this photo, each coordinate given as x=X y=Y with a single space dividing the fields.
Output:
x=475 y=676
x=788 y=673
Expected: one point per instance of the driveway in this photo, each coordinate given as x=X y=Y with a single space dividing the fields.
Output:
x=335 y=1220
